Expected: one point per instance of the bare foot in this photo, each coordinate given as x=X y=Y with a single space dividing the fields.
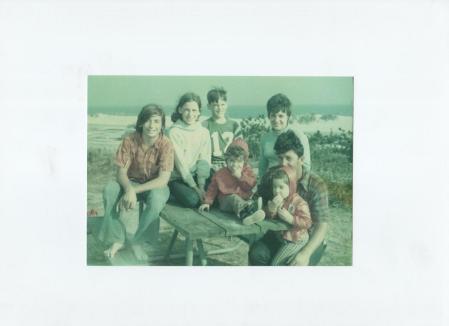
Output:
x=110 y=253
x=139 y=252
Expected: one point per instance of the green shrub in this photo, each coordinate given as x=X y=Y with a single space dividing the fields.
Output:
x=331 y=157
x=340 y=142
x=252 y=131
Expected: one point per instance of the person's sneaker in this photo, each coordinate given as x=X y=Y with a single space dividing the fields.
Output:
x=250 y=208
x=257 y=216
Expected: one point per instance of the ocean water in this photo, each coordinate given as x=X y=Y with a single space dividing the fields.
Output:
x=238 y=112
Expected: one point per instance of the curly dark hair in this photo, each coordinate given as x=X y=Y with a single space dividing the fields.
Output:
x=279 y=103
x=146 y=113
x=234 y=151
x=215 y=94
x=288 y=141
x=187 y=97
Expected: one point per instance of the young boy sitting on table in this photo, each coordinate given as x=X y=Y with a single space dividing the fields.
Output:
x=233 y=185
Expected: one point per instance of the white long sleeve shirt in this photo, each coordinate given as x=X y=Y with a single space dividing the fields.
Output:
x=192 y=152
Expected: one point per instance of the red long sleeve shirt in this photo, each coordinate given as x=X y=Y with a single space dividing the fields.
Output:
x=224 y=183
x=302 y=221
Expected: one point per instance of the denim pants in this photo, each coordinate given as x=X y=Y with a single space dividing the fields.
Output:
x=113 y=230
x=232 y=204
x=184 y=194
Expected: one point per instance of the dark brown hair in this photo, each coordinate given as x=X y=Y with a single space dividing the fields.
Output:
x=187 y=97
x=215 y=94
x=234 y=151
x=146 y=113
x=279 y=103
x=288 y=141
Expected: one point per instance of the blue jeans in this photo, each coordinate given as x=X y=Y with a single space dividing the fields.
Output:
x=113 y=230
x=184 y=194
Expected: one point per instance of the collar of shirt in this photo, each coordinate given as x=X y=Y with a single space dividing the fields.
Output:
x=156 y=145
x=304 y=182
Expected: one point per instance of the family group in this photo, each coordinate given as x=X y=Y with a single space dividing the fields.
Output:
x=200 y=164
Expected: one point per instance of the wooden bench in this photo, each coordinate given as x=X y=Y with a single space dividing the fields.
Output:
x=195 y=227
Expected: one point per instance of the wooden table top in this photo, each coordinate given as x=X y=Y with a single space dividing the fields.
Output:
x=194 y=225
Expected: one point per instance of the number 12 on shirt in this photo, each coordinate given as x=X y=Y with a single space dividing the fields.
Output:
x=226 y=138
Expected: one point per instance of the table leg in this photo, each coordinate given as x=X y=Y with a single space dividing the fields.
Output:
x=170 y=246
x=201 y=251
x=189 y=252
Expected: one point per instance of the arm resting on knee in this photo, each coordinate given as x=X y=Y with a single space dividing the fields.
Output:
x=159 y=182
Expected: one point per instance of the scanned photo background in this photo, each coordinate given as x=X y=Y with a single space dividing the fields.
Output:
x=397 y=53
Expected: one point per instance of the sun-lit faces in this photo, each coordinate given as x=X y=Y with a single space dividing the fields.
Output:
x=190 y=112
x=218 y=109
x=279 y=120
x=291 y=159
x=152 y=127
x=280 y=188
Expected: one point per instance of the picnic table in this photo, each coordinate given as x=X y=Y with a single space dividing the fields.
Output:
x=196 y=226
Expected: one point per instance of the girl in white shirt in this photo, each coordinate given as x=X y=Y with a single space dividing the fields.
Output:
x=191 y=142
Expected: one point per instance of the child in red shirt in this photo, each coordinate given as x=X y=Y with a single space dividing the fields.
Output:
x=233 y=184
